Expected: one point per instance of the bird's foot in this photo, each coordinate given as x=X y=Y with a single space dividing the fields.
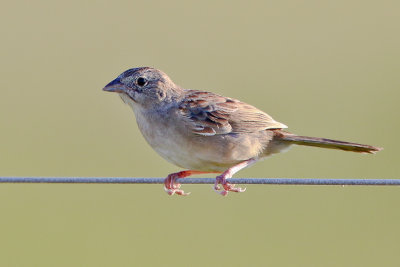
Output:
x=222 y=179
x=227 y=187
x=172 y=187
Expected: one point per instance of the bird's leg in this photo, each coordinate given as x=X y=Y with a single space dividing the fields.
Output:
x=170 y=185
x=222 y=179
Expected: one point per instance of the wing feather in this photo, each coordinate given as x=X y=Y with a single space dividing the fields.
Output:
x=210 y=114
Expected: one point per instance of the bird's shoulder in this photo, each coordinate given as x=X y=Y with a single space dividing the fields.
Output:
x=207 y=113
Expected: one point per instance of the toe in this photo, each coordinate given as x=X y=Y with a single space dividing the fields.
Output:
x=181 y=192
x=169 y=191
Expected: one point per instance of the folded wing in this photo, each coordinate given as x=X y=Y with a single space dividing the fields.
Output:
x=211 y=114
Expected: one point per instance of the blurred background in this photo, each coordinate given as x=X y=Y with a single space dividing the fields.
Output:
x=325 y=68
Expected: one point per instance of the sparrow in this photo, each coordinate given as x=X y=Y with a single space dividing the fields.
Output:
x=204 y=132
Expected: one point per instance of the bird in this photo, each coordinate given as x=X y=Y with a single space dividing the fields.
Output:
x=203 y=132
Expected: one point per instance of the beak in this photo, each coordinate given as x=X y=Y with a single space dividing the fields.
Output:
x=115 y=86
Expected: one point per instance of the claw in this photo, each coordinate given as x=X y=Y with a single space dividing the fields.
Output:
x=217 y=190
x=182 y=193
x=216 y=186
x=173 y=191
x=232 y=188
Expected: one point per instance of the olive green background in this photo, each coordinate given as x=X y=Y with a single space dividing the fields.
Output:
x=325 y=68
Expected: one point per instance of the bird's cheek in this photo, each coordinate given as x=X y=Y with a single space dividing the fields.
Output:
x=132 y=94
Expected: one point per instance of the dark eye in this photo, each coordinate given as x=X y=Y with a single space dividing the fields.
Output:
x=141 y=81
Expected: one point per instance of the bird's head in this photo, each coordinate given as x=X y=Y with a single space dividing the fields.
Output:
x=144 y=86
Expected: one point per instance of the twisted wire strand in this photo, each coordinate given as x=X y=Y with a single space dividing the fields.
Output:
x=140 y=180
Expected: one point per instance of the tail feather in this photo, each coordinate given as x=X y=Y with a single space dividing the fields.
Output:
x=327 y=143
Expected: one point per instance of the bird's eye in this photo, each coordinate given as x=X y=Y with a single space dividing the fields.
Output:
x=141 y=81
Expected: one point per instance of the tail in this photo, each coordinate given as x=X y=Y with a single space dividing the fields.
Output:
x=326 y=143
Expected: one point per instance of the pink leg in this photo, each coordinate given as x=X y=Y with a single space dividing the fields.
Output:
x=170 y=185
x=222 y=179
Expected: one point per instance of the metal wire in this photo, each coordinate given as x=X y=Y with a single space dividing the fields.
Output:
x=121 y=180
